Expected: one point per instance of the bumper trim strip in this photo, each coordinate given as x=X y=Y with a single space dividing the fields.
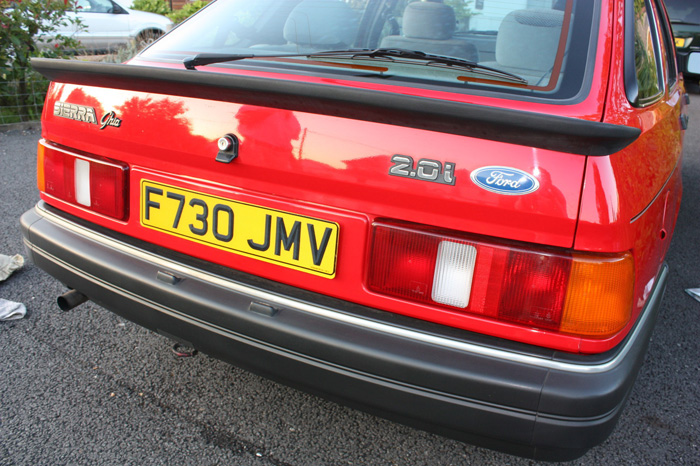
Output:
x=328 y=313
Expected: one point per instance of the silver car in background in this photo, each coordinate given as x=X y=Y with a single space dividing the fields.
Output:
x=108 y=24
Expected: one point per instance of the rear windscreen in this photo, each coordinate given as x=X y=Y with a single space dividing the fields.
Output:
x=535 y=47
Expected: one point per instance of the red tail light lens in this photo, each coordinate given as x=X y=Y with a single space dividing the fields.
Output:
x=422 y=267
x=534 y=289
x=407 y=266
x=90 y=182
x=585 y=295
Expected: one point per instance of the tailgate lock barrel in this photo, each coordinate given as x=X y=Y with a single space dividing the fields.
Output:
x=228 y=148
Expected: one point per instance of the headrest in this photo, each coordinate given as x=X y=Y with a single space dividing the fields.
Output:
x=529 y=39
x=539 y=18
x=321 y=23
x=429 y=20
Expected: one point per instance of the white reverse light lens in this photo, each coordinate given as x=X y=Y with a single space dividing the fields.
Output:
x=82 y=182
x=454 y=270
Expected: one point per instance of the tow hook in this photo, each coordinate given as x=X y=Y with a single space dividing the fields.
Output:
x=70 y=299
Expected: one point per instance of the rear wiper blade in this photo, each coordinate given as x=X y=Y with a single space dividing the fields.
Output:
x=429 y=58
x=391 y=54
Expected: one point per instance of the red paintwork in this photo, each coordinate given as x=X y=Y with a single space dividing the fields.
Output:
x=336 y=169
x=631 y=200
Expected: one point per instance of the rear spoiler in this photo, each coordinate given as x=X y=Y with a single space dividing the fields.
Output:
x=556 y=133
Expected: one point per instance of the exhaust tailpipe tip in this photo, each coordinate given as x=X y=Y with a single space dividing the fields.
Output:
x=70 y=299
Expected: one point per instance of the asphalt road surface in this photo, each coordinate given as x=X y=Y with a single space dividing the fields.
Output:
x=88 y=388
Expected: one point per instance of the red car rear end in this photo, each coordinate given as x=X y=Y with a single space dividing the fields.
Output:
x=460 y=227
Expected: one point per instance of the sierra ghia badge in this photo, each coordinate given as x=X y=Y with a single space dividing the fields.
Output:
x=85 y=114
x=505 y=180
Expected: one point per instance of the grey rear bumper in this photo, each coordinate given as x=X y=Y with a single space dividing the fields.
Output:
x=526 y=401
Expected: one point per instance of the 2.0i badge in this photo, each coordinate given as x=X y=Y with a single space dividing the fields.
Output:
x=423 y=170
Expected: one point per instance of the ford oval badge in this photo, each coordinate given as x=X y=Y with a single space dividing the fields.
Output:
x=505 y=180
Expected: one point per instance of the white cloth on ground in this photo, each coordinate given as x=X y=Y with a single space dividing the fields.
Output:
x=9 y=264
x=694 y=292
x=9 y=310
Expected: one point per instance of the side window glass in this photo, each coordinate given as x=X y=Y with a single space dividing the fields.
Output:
x=95 y=6
x=646 y=58
x=103 y=6
x=669 y=45
x=83 y=6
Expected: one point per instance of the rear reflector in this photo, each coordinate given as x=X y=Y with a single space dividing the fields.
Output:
x=91 y=182
x=587 y=295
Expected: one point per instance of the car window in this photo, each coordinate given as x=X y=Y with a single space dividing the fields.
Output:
x=546 y=43
x=646 y=57
x=668 y=45
x=685 y=11
x=94 y=6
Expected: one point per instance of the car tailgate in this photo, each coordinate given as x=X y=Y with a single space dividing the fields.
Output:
x=376 y=170
x=316 y=178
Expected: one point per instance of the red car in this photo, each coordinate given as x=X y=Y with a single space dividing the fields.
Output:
x=454 y=215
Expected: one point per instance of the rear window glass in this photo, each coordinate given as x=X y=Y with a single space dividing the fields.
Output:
x=521 y=46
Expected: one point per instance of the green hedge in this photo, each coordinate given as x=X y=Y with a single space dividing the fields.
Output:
x=186 y=11
x=160 y=7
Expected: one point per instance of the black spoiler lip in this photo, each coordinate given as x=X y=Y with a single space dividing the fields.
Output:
x=550 y=132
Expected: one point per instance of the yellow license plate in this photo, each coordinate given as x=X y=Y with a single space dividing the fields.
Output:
x=294 y=241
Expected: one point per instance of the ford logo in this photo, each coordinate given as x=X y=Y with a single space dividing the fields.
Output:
x=505 y=180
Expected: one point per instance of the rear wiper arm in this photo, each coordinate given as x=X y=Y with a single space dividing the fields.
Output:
x=382 y=53
x=202 y=59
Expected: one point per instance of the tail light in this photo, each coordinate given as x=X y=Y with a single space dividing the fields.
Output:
x=587 y=295
x=91 y=182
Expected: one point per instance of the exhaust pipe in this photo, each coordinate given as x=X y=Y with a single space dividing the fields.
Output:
x=70 y=299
